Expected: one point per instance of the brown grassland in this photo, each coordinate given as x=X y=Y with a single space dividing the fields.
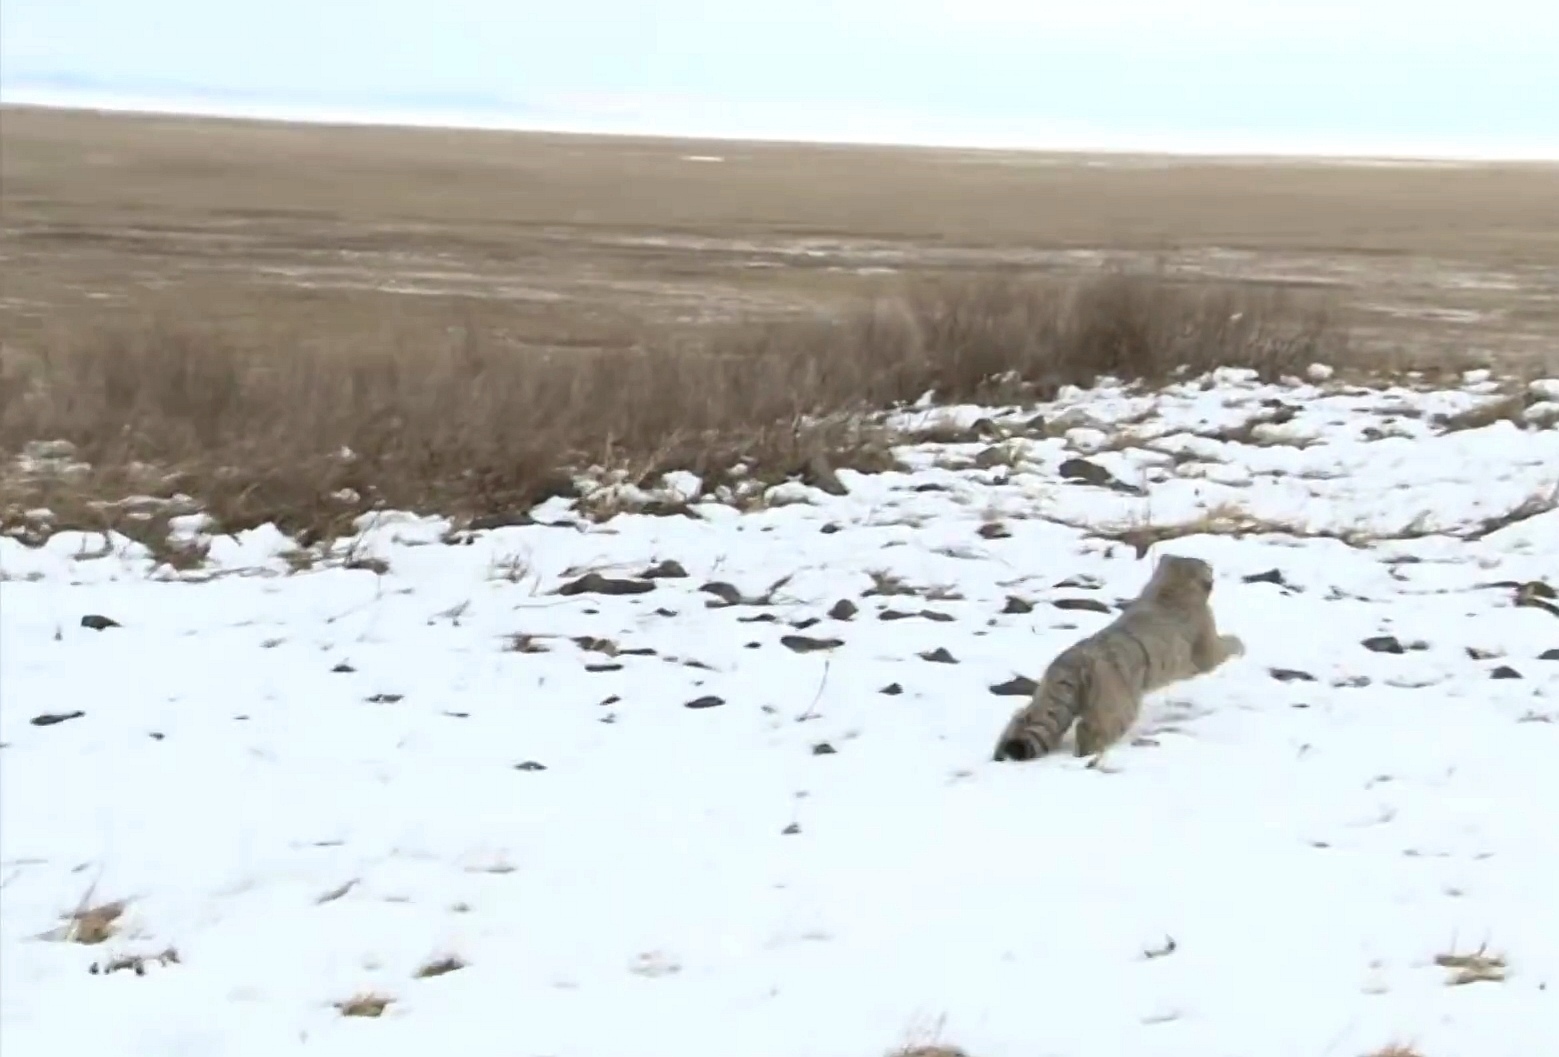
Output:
x=219 y=308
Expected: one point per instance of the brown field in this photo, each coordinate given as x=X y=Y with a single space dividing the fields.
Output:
x=221 y=276
x=586 y=240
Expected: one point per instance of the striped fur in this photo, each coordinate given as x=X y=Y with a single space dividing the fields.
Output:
x=1165 y=635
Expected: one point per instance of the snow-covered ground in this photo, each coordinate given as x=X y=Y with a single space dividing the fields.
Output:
x=660 y=824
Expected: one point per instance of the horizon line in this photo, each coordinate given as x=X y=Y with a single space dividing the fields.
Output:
x=1210 y=148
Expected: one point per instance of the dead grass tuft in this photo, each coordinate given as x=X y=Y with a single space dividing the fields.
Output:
x=1476 y=967
x=95 y=924
x=1507 y=408
x=439 y=967
x=366 y=1004
x=252 y=424
x=1223 y=519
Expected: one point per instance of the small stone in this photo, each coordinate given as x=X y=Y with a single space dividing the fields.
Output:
x=707 y=701
x=819 y=474
x=802 y=625
x=384 y=699
x=596 y=584
x=1091 y=473
x=604 y=666
x=1504 y=671
x=844 y=609
x=791 y=830
x=666 y=570
x=993 y=456
x=1017 y=605
x=1383 y=644
x=822 y=748
x=1091 y=605
x=1290 y=675
x=940 y=655
x=488 y=522
x=892 y=690
x=530 y=765
x=829 y=529
x=1086 y=472
x=994 y=530
x=1549 y=655
x=49 y=719
x=98 y=622
x=1271 y=576
x=1017 y=686
x=806 y=644
x=1481 y=655
x=727 y=593
x=343 y=668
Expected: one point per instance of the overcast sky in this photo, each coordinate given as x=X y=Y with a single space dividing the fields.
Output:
x=1383 y=75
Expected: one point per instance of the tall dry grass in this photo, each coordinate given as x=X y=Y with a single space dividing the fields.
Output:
x=256 y=428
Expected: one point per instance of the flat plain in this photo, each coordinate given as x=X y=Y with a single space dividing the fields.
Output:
x=382 y=671
x=567 y=241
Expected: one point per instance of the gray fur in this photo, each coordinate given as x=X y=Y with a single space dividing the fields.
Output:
x=1165 y=635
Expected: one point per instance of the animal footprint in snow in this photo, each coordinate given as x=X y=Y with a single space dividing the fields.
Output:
x=1172 y=718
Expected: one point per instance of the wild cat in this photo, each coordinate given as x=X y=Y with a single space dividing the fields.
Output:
x=1165 y=635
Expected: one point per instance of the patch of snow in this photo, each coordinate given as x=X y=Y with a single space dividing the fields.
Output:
x=1544 y=388
x=691 y=823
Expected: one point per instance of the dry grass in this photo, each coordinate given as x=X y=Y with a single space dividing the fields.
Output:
x=251 y=426
x=1506 y=408
x=95 y=924
x=439 y=967
x=297 y=324
x=343 y=226
x=366 y=1004
x=1478 y=966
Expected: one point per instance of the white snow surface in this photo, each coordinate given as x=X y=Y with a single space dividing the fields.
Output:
x=311 y=784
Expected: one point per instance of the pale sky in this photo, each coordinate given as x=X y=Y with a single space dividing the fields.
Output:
x=1387 y=76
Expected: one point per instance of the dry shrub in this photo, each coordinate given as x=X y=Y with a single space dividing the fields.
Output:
x=365 y=1004
x=257 y=426
x=94 y=924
